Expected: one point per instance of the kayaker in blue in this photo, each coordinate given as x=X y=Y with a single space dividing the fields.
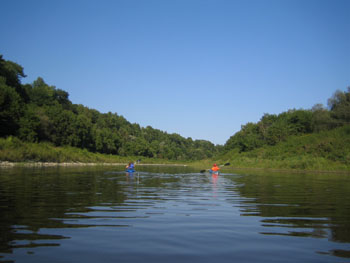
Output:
x=130 y=167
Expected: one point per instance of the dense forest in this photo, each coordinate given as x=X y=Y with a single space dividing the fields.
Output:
x=39 y=112
x=318 y=138
x=273 y=129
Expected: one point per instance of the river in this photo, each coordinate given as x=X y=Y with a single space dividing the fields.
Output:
x=172 y=214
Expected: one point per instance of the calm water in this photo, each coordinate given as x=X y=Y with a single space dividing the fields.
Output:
x=172 y=215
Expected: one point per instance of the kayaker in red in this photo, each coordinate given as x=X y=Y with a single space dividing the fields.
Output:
x=215 y=168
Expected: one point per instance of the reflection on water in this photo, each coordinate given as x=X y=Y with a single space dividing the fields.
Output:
x=318 y=206
x=157 y=213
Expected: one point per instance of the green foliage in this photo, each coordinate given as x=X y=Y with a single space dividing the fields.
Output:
x=274 y=129
x=13 y=149
x=327 y=150
x=248 y=138
x=42 y=113
x=321 y=119
x=271 y=130
x=297 y=139
x=340 y=106
x=29 y=125
x=12 y=73
x=10 y=109
x=42 y=94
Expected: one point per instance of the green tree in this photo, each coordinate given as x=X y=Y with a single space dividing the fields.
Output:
x=82 y=132
x=278 y=132
x=339 y=105
x=61 y=125
x=12 y=72
x=248 y=138
x=41 y=93
x=46 y=127
x=265 y=123
x=321 y=118
x=11 y=109
x=300 y=121
x=39 y=112
x=61 y=97
x=105 y=140
x=29 y=125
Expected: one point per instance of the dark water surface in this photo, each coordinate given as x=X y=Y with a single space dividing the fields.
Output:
x=172 y=215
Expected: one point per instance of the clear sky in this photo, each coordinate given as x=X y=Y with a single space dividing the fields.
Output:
x=199 y=68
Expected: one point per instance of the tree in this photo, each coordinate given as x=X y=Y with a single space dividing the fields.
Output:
x=62 y=97
x=12 y=72
x=339 y=106
x=41 y=93
x=105 y=141
x=248 y=138
x=62 y=130
x=82 y=132
x=11 y=109
x=321 y=118
x=29 y=125
x=300 y=121
x=265 y=123
x=39 y=112
x=278 y=132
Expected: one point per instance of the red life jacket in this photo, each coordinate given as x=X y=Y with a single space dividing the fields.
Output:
x=215 y=168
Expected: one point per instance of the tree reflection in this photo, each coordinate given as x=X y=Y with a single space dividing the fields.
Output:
x=315 y=206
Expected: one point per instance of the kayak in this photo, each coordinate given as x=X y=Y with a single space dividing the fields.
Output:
x=130 y=170
x=214 y=172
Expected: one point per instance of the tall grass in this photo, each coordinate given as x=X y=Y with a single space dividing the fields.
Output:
x=325 y=151
x=14 y=150
x=328 y=150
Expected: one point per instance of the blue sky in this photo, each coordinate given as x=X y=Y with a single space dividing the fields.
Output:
x=199 y=68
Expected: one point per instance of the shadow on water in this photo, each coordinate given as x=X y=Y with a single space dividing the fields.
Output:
x=50 y=207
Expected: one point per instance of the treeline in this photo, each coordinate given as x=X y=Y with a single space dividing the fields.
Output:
x=274 y=129
x=39 y=112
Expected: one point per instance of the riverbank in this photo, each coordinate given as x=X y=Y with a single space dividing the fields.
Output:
x=15 y=153
x=323 y=151
x=72 y=164
x=300 y=164
x=205 y=164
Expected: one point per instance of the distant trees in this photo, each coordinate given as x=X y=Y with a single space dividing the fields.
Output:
x=39 y=112
x=12 y=74
x=322 y=119
x=10 y=108
x=339 y=106
x=272 y=129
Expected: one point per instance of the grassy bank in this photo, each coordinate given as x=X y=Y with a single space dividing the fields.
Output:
x=293 y=163
x=15 y=150
x=240 y=162
x=324 y=151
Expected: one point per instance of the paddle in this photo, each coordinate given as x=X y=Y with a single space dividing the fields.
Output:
x=203 y=171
